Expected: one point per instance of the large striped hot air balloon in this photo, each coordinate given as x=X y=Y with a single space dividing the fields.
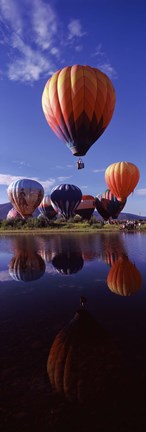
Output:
x=108 y=206
x=26 y=266
x=25 y=196
x=78 y=103
x=86 y=207
x=66 y=198
x=122 y=178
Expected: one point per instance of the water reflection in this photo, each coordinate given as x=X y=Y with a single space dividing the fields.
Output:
x=26 y=265
x=112 y=248
x=68 y=263
x=83 y=360
x=124 y=278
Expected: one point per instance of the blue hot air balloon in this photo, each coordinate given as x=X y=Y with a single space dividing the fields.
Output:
x=108 y=206
x=66 y=198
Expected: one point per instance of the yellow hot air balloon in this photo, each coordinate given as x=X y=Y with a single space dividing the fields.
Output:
x=122 y=178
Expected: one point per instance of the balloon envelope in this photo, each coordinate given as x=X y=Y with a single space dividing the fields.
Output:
x=66 y=198
x=122 y=178
x=124 y=278
x=25 y=195
x=78 y=103
x=13 y=214
x=46 y=208
x=26 y=266
x=107 y=205
x=86 y=207
x=68 y=262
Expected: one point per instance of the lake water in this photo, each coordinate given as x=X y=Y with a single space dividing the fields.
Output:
x=73 y=332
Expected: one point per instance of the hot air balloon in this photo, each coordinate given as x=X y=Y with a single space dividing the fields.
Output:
x=46 y=208
x=13 y=214
x=108 y=206
x=68 y=262
x=86 y=207
x=66 y=198
x=25 y=195
x=26 y=267
x=78 y=103
x=82 y=360
x=124 y=278
x=122 y=178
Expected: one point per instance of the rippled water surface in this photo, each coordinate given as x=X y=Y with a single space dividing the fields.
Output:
x=73 y=332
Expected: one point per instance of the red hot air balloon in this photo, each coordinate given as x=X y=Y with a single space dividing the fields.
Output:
x=86 y=207
x=108 y=206
x=78 y=103
x=122 y=178
x=25 y=195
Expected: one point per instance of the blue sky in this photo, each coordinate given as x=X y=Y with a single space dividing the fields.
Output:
x=38 y=37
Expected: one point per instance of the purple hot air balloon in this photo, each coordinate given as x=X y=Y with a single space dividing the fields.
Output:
x=66 y=198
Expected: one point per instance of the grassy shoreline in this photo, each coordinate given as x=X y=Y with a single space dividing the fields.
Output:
x=68 y=228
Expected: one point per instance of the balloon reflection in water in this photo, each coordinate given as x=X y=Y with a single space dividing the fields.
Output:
x=82 y=360
x=124 y=278
x=112 y=248
x=68 y=262
x=26 y=266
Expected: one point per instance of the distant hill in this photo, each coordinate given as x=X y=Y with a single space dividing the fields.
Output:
x=4 y=209
x=123 y=216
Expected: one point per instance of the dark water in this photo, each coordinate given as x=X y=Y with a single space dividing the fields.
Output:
x=73 y=332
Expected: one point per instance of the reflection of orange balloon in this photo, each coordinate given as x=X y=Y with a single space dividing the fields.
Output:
x=124 y=278
x=122 y=178
x=78 y=103
x=82 y=359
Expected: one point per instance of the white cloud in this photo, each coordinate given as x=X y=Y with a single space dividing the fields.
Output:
x=7 y=179
x=98 y=170
x=44 y=23
x=108 y=70
x=84 y=187
x=78 y=48
x=21 y=163
x=98 y=51
x=63 y=178
x=4 y=276
x=10 y=12
x=75 y=29
x=141 y=192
